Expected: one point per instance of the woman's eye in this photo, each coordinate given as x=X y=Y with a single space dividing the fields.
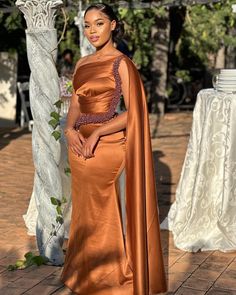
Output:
x=86 y=26
x=99 y=24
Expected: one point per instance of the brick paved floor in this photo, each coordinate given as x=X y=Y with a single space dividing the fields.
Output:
x=212 y=273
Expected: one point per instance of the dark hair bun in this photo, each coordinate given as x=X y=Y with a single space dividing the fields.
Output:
x=108 y=11
x=118 y=33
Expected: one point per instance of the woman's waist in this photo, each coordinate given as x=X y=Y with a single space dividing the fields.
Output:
x=95 y=118
x=88 y=129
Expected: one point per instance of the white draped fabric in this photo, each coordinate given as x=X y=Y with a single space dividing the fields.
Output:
x=203 y=217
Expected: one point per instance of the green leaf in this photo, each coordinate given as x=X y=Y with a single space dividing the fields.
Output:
x=55 y=201
x=59 y=211
x=56 y=134
x=39 y=260
x=64 y=200
x=29 y=255
x=20 y=263
x=69 y=87
x=60 y=220
x=67 y=171
x=58 y=103
x=55 y=115
x=30 y=260
x=54 y=123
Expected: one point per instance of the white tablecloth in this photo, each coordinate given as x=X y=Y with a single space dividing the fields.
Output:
x=203 y=217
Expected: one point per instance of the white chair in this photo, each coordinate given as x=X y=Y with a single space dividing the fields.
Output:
x=24 y=113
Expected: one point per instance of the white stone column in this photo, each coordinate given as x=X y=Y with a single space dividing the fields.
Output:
x=85 y=47
x=41 y=40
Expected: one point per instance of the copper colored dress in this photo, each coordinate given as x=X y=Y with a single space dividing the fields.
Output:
x=100 y=259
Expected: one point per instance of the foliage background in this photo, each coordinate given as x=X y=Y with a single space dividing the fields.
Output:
x=206 y=29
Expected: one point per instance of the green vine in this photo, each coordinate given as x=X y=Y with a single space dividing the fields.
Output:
x=67 y=171
x=30 y=259
x=55 y=120
x=59 y=203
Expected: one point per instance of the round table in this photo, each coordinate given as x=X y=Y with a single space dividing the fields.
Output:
x=203 y=217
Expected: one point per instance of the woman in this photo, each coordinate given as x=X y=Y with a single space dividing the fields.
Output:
x=99 y=259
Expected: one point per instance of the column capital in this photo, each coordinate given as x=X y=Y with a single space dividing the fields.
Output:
x=39 y=14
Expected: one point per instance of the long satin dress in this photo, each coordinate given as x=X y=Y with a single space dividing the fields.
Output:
x=100 y=259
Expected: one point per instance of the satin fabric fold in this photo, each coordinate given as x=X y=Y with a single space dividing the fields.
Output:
x=143 y=241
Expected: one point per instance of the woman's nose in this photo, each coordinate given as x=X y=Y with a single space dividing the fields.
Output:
x=92 y=29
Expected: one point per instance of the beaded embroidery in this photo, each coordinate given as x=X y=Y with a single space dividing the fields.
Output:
x=111 y=113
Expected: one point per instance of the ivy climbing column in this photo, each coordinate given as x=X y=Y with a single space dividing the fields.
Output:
x=41 y=41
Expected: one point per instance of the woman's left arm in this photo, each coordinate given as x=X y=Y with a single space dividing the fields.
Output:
x=115 y=125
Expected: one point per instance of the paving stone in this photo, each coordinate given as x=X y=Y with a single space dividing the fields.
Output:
x=2 y=269
x=198 y=284
x=52 y=280
x=42 y=289
x=229 y=273
x=225 y=254
x=232 y=265
x=178 y=276
x=11 y=276
x=219 y=267
x=173 y=285
x=218 y=291
x=206 y=274
x=12 y=291
x=220 y=259
x=40 y=272
x=26 y=283
x=195 y=258
x=226 y=283
x=188 y=291
x=3 y=283
x=183 y=267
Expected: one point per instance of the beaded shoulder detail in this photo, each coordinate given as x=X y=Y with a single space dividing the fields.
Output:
x=111 y=113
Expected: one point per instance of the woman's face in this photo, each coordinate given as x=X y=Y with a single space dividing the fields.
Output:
x=98 y=27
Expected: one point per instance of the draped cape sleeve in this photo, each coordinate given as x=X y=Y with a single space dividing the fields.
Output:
x=143 y=244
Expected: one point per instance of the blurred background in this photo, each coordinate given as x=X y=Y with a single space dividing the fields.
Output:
x=176 y=44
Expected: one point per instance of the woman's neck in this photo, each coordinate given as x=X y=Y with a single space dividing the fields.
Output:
x=106 y=49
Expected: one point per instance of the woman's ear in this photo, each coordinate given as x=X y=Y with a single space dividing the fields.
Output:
x=113 y=25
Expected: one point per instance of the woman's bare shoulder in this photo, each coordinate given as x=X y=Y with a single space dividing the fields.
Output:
x=81 y=61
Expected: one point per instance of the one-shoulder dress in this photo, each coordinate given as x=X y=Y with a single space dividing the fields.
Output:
x=101 y=258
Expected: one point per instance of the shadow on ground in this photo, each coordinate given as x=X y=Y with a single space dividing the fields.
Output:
x=9 y=134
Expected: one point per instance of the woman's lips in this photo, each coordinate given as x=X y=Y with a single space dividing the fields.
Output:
x=94 y=38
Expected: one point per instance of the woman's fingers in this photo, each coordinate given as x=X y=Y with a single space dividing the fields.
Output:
x=76 y=148
x=89 y=145
x=74 y=151
x=88 y=151
x=81 y=137
x=85 y=151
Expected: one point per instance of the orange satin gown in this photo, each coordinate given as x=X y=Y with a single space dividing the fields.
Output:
x=100 y=259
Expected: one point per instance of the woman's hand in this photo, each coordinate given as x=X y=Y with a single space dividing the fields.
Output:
x=89 y=145
x=75 y=141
